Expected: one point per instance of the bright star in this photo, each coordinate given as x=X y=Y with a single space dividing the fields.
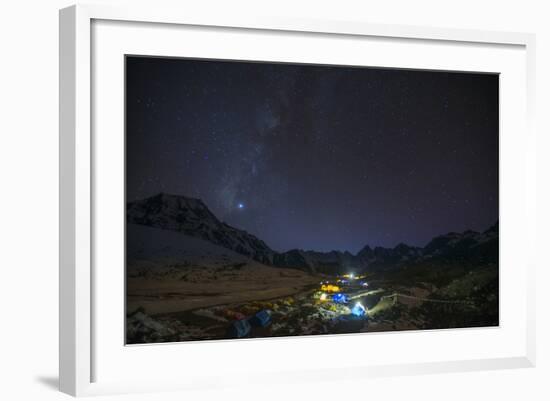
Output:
x=240 y=206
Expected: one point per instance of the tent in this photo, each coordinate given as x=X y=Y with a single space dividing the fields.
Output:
x=239 y=329
x=330 y=288
x=340 y=298
x=261 y=319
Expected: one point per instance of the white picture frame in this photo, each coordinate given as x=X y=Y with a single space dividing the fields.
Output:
x=79 y=346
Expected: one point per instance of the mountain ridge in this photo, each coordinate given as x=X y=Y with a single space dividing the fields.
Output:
x=192 y=217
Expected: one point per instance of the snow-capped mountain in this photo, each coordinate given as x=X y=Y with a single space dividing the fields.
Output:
x=192 y=217
x=156 y=246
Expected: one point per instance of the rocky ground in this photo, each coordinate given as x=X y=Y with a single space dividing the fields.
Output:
x=389 y=306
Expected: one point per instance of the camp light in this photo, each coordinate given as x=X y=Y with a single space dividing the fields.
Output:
x=358 y=310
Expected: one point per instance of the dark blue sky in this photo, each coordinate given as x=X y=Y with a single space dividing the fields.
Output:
x=317 y=157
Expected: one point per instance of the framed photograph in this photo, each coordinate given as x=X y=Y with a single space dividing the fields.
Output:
x=255 y=195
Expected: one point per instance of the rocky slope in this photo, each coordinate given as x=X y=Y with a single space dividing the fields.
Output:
x=192 y=217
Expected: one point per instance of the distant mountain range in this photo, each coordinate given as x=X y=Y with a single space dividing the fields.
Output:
x=193 y=218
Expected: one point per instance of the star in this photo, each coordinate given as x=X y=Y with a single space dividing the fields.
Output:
x=368 y=150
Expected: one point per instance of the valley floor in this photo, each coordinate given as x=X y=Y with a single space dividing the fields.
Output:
x=199 y=304
x=184 y=289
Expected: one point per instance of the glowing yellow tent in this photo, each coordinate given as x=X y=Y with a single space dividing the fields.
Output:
x=330 y=288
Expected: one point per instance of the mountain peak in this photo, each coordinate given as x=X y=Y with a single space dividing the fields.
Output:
x=191 y=216
x=176 y=200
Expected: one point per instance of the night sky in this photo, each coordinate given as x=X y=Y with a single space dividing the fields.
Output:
x=317 y=157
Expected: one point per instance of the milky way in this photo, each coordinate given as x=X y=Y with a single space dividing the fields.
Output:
x=317 y=157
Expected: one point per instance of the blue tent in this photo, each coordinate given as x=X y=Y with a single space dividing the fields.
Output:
x=261 y=319
x=239 y=328
x=340 y=298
